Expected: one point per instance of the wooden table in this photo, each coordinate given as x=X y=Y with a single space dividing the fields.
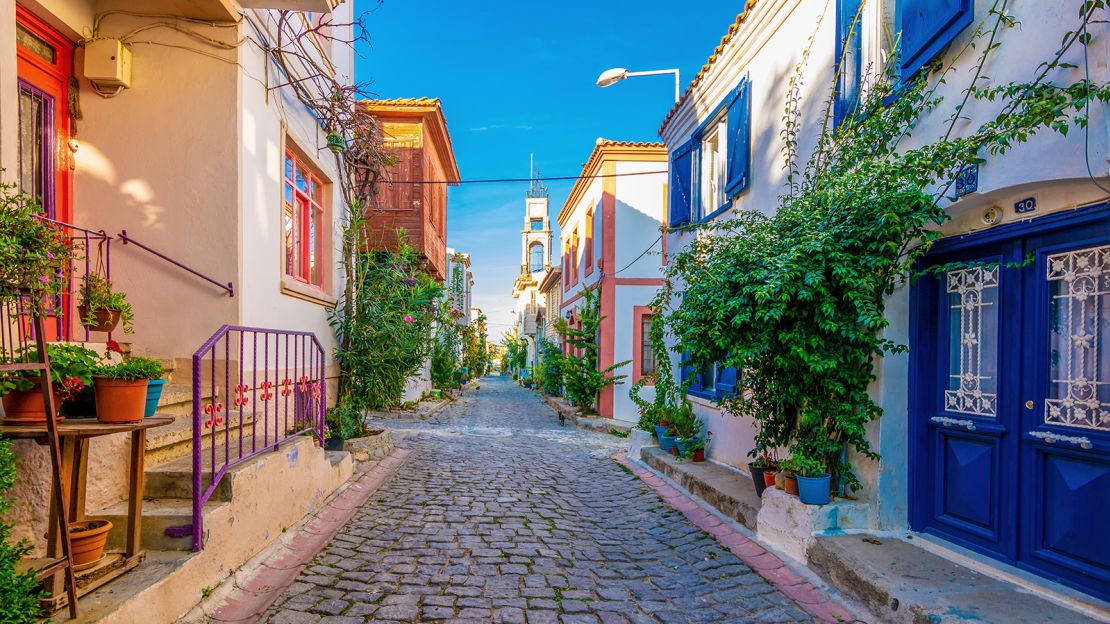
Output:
x=73 y=436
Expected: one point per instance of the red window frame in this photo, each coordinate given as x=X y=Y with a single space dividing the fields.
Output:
x=303 y=221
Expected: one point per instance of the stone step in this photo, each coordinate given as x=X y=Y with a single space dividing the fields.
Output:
x=174 y=479
x=158 y=516
x=730 y=492
x=905 y=584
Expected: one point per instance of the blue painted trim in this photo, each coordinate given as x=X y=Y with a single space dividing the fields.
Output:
x=1018 y=229
x=846 y=11
x=717 y=212
x=914 y=60
x=695 y=139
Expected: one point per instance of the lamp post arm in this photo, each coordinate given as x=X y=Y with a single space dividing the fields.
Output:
x=658 y=72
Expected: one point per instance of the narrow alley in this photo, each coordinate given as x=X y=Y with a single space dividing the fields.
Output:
x=501 y=515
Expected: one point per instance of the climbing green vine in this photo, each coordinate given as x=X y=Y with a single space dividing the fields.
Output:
x=796 y=301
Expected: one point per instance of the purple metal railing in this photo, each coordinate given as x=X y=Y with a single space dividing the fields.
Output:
x=229 y=287
x=273 y=384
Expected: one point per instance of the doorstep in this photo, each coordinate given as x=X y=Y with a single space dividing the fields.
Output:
x=727 y=491
x=905 y=584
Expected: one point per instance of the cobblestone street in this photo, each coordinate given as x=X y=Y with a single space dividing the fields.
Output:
x=500 y=515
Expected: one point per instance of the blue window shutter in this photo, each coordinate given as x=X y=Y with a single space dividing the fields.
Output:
x=927 y=26
x=726 y=381
x=739 y=140
x=849 y=51
x=680 y=200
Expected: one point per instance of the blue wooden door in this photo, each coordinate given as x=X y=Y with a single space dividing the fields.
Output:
x=1010 y=396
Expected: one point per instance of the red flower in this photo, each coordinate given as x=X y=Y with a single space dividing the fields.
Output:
x=114 y=346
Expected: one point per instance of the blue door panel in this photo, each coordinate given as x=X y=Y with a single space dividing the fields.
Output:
x=968 y=491
x=1076 y=509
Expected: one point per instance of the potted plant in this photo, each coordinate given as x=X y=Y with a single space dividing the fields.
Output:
x=764 y=462
x=813 y=480
x=788 y=470
x=153 y=396
x=101 y=308
x=87 y=539
x=71 y=369
x=121 y=389
x=694 y=448
x=34 y=252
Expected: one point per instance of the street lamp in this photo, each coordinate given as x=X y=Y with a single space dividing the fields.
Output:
x=617 y=74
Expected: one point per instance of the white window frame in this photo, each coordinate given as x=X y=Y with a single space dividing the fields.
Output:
x=712 y=167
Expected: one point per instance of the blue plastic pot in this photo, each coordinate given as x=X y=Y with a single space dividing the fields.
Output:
x=660 y=431
x=814 y=490
x=153 y=395
x=666 y=443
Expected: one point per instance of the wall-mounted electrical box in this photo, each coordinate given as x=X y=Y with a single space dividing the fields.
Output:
x=108 y=63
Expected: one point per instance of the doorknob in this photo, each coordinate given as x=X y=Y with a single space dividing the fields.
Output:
x=1028 y=405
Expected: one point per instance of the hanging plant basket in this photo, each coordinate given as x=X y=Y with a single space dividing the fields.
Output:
x=100 y=320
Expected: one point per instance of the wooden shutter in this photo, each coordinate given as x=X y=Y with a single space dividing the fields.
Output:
x=726 y=381
x=681 y=189
x=739 y=140
x=927 y=26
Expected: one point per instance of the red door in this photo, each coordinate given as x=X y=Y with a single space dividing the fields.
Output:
x=45 y=68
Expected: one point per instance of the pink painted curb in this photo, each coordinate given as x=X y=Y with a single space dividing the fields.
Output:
x=254 y=594
x=760 y=560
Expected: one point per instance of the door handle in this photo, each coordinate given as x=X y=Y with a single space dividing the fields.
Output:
x=1028 y=405
x=1051 y=438
x=953 y=422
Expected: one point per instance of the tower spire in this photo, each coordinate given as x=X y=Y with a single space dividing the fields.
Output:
x=536 y=189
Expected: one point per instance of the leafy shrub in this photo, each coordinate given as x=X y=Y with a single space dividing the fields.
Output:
x=19 y=592
x=383 y=323
x=32 y=251
x=581 y=377
x=132 y=369
x=549 y=373
x=70 y=364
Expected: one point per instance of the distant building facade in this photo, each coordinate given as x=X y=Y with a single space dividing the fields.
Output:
x=612 y=242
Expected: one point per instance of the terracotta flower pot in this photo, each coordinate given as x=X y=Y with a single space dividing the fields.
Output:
x=790 y=484
x=101 y=320
x=27 y=406
x=118 y=400
x=87 y=539
x=698 y=455
x=769 y=477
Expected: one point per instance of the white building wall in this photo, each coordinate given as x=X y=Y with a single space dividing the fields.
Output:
x=1049 y=166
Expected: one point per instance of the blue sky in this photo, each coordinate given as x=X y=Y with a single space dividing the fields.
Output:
x=517 y=78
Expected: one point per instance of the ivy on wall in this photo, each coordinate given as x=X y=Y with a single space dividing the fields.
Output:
x=796 y=301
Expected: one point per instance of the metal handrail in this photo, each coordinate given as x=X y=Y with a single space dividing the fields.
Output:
x=229 y=287
x=277 y=391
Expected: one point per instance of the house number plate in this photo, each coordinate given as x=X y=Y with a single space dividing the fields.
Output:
x=1029 y=204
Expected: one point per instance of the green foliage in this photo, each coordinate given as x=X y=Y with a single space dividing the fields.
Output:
x=345 y=421
x=71 y=366
x=475 y=352
x=97 y=294
x=132 y=369
x=803 y=466
x=797 y=300
x=383 y=323
x=669 y=397
x=19 y=592
x=581 y=376
x=516 y=353
x=549 y=373
x=445 y=349
x=33 y=252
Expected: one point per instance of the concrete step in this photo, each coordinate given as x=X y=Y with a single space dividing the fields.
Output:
x=730 y=492
x=905 y=584
x=174 y=479
x=158 y=516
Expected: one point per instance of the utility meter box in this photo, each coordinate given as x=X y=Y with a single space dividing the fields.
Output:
x=108 y=63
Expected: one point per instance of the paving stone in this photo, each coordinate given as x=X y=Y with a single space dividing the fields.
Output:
x=501 y=515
